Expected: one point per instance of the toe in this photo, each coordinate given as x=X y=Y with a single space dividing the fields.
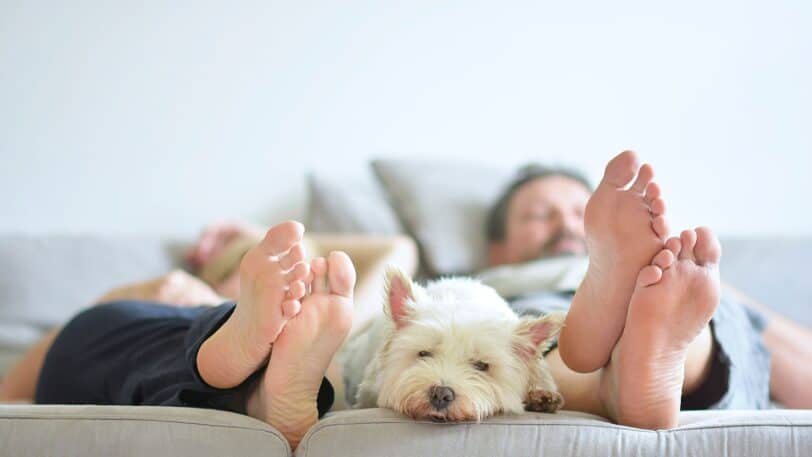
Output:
x=660 y=226
x=653 y=192
x=674 y=245
x=657 y=206
x=649 y=275
x=644 y=177
x=318 y=267
x=663 y=259
x=687 y=240
x=707 y=249
x=297 y=290
x=341 y=274
x=298 y=273
x=291 y=308
x=294 y=256
x=621 y=169
x=280 y=238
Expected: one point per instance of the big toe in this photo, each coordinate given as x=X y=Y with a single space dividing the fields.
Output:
x=282 y=237
x=621 y=169
x=340 y=274
x=707 y=249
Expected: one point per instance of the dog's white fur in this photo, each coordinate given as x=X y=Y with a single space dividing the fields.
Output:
x=463 y=326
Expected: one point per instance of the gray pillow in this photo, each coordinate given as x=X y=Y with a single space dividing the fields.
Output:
x=349 y=204
x=45 y=280
x=443 y=205
x=772 y=270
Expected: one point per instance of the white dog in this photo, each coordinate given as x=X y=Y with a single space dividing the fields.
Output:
x=454 y=351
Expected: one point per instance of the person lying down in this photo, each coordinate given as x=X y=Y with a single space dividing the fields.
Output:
x=646 y=332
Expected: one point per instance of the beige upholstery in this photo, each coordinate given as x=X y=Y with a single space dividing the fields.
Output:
x=154 y=431
x=567 y=433
x=163 y=431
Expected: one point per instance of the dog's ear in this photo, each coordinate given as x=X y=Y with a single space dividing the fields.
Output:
x=534 y=335
x=400 y=292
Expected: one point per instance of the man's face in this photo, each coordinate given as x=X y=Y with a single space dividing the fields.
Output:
x=545 y=218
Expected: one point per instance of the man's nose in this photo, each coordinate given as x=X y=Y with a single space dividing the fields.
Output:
x=441 y=396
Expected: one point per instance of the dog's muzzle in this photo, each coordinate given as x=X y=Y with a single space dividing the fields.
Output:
x=440 y=397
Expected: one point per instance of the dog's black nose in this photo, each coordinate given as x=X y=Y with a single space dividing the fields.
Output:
x=441 y=396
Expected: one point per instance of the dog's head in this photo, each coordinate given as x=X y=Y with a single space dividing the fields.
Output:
x=456 y=351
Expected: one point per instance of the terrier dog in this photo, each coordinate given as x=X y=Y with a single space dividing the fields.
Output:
x=455 y=351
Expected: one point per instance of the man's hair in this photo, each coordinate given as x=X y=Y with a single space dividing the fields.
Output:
x=496 y=223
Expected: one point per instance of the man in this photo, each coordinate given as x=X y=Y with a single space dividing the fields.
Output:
x=637 y=343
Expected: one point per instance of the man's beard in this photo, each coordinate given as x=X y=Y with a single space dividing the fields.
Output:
x=548 y=249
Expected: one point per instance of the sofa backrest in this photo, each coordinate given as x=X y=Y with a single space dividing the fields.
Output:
x=46 y=279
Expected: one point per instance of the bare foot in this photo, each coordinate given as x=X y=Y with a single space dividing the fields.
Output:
x=625 y=228
x=673 y=302
x=287 y=395
x=272 y=280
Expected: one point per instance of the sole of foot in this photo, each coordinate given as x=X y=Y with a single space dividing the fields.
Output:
x=673 y=302
x=273 y=278
x=625 y=227
x=289 y=389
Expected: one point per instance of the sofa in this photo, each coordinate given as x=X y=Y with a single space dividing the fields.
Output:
x=44 y=279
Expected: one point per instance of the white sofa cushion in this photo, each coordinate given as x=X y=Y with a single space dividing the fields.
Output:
x=567 y=433
x=123 y=431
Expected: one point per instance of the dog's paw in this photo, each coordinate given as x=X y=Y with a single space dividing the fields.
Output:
x=543 y=401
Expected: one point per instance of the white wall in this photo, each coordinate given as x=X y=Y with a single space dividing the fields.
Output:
x=156 y=117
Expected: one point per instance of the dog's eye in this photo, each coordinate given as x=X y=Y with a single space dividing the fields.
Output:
x=424 y=354
x=481 y=366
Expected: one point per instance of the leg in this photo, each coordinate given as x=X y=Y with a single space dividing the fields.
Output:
x=176 y=288
x=287 y=394
x=581 y=390
x=788 y=343
x=625 y=228
x=790 y=348
x=20 y=383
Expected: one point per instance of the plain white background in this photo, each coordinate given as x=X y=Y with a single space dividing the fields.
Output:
x=157 y=117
